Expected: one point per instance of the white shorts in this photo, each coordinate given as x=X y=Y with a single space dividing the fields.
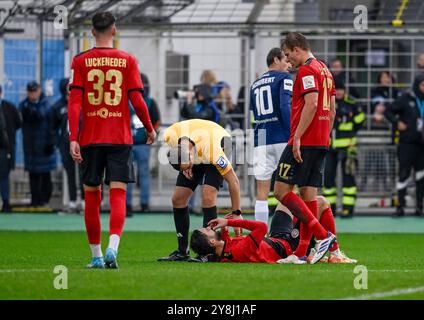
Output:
x=266 y=159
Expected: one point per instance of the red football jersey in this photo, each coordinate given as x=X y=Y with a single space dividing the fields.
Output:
x=106 y=76
x=253 y=247
x=313 y=76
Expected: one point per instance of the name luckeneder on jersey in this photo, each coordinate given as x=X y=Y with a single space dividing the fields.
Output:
x=106 y=62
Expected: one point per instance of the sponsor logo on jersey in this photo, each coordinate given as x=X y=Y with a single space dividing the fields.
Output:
x=308 y=82
x=295 y=233
x=288 y=84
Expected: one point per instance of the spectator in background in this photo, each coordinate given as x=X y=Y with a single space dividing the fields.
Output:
x=202 y=107
x=38 y=142
x=337 y=70
x=226 y=106
x=241 y=105
x=381 y=97
x=407 y=114
x=141 y=150
x=349 y=119
x=420 y=62
x=375 y=161
x=208 y=78
x=10 y=122
x=60 y=129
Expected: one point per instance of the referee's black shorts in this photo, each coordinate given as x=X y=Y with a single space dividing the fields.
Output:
x=202 y=174
x=108 y=163
x=309 y=173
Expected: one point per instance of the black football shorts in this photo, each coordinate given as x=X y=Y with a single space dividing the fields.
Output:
x=108 y=163
x=202 y=174
x=310 y=173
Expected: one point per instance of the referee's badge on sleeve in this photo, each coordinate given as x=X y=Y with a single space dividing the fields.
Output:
x=222 y=162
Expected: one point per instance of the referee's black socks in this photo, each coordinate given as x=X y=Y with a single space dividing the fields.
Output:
x=208 y=215
x=182 y=225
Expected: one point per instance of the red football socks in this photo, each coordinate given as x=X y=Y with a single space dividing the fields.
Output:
x=327 y=221
x=117 y=211
x=93 y=200
x=306 y=230
x=299 y=209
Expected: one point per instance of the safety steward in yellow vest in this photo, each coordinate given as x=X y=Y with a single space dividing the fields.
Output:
x=349 y=119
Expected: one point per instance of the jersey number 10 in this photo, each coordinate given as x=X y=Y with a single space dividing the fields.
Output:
x=262 y=107
x=98 y=77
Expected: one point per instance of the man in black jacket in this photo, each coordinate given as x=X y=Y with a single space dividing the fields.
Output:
x=407 y=113
x=10 y=122
x=60 y=127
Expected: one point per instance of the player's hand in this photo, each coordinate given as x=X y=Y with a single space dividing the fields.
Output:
x=75 y=152
x=151 y=137
x=296 y=150
x=231 y=216
x=188 y=174
x=218 y=223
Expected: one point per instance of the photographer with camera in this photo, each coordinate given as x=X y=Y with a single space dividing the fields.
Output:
x=201 y=107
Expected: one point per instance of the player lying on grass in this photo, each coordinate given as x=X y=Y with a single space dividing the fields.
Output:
x=282 y=241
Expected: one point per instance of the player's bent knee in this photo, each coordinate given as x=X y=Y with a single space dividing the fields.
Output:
x=91 y=189
x=323 y=203
x=118 y=185
x=209 y=196
x=280 y=190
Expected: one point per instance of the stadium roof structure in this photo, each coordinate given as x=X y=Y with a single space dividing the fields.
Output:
x=230 y=15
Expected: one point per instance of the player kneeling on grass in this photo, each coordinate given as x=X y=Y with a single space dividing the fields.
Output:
x=282 y=241
x=198 y=152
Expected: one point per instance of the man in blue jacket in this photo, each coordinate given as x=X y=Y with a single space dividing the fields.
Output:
x=38 y=142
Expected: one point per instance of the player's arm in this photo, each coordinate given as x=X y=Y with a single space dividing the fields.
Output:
x=308 y=113
x=306 y=117
x=332 y=111
x=234 y=188
x=142 y=112
x=75 y=101
x=258 y=228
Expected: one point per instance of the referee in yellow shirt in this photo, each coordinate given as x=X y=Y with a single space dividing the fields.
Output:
x=198 y=150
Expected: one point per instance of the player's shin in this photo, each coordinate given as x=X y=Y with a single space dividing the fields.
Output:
x=305 y=231
x=182 y=224
x=117 y=216
x=327 y=221
x=299 y=209
x=208 y=215
x=93 y=199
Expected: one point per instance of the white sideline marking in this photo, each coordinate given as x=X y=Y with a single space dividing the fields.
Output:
x=378 y=295
x=24 y=270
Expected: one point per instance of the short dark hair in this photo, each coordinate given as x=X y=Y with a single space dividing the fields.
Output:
x=274 y=53
x=176 y=155
x=295 y=39
x=102 y=21
x=199 y=243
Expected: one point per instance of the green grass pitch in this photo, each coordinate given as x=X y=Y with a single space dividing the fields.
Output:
x=394 y=262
